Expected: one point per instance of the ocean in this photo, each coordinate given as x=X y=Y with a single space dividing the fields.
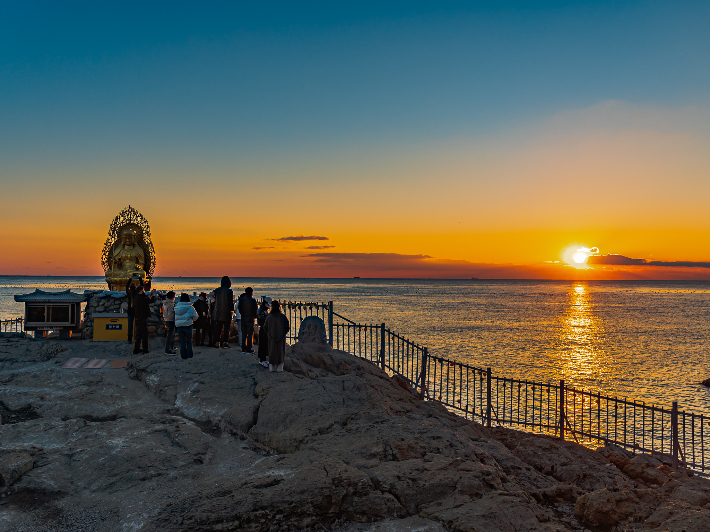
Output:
x=647 y=341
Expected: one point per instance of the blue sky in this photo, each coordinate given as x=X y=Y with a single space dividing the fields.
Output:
x=172 y=80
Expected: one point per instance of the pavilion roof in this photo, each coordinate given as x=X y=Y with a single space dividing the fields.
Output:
x=40 y=296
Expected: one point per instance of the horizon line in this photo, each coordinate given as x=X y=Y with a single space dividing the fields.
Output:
x=390 y=278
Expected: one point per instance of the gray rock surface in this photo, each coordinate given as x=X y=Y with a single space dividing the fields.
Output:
x=220 y=443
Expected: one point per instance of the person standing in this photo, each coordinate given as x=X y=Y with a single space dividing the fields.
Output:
x=211 y=325
x=248 y=310
x=238 y=321
x=277 y=327
x=261 y=316
x=141 y=313
x=203 y=318
x=131 y=290
x=185 y=316
x=169 y=319
x=223 y=307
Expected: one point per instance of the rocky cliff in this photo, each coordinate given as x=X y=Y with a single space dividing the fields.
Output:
x=220 y=443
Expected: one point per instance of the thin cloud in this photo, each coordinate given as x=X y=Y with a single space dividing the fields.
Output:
x=299 y=238
x=370 y=261
x=396 y=265
x=319 y=247
x=620 y=260
x=263 y=247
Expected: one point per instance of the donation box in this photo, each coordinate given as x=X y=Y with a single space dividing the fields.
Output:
x=110 y=326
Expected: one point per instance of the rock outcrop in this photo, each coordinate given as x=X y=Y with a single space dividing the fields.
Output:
x=220 y=443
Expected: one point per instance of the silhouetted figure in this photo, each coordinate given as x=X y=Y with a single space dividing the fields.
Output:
x=247 y=309
x=261 y=316
x=277 y=327
x=131 y=291
x=210 y=328
x=169 y=319
x=238 y=320
x=203 y=319
x=223 y=307
x=141 y=313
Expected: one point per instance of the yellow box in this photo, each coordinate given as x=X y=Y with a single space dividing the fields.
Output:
x=110 y=326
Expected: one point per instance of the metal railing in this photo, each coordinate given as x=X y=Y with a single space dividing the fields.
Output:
x=297 y=311
x=14 y=325
x=542 y=407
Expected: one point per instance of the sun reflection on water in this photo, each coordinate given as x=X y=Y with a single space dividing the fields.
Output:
x=581 y=338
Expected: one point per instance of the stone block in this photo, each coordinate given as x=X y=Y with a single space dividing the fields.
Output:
x=312 y=331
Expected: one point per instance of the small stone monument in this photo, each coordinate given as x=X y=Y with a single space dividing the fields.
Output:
x=312 y=331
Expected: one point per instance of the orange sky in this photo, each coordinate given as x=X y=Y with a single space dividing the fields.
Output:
x=629 y=180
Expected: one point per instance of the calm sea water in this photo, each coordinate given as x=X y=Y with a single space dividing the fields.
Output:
x=649 y=341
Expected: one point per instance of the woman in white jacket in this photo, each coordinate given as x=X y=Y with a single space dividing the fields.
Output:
x=185 y=315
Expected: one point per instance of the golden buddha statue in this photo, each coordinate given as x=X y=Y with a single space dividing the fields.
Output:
x=127 y=260
x=128 y=253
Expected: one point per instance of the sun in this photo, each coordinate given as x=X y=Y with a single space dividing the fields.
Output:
x=580 y=257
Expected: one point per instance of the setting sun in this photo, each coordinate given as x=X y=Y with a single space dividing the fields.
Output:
x=576 y=255
x=580 y=257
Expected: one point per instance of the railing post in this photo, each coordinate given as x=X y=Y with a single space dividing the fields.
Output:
x=422 y=374
x=330 y=323
x=489 y=398
x=674 y=434
x=382 y=346
x=562 y=410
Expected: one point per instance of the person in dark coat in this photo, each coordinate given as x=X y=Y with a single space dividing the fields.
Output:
x=141 y=313
x=248 y=310
x=261 y=316
x=131 y=290
x=277 y=327
x=169 y=319
x=203 y=319
x=223 y=308
x=211 y=327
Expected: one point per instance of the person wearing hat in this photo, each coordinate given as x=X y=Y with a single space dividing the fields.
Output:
x=203 y=319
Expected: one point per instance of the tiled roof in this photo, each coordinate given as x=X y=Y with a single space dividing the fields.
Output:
x=40 y=296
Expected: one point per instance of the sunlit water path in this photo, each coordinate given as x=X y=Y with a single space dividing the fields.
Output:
x=649 y=341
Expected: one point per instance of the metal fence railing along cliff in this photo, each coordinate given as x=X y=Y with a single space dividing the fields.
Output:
x=13 y=325
x=551 y=408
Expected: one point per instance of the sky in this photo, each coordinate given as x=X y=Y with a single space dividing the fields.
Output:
x=413 y=139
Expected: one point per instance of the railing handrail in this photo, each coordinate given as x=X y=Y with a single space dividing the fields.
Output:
x=12 y=325
x=549 y=407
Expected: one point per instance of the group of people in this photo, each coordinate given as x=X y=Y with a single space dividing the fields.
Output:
x=211 y=320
